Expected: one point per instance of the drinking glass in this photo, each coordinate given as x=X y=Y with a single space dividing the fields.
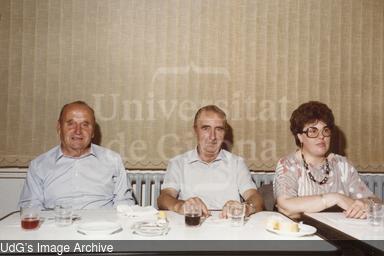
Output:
x=375 y=214
x=29 y=217
x=236 y=213
x=63 y=212
x=192 y=213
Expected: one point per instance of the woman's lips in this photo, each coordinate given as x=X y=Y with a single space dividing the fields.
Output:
x=321 y=144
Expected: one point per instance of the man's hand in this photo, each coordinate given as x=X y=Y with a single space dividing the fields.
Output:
x=253 y=202
x=168 y=201
x=224 y=212
x=196 y=201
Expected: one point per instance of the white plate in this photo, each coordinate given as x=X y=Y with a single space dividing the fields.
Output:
x=304 y=230
x=149 y=228
x=98 y=228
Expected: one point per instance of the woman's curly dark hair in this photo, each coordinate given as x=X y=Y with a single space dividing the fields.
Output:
x=310 y=112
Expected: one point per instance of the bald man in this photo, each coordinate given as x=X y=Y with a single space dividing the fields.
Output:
x=86 y=175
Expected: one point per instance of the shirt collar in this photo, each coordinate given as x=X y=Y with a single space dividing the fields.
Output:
x=194 y=156
x=60 y=154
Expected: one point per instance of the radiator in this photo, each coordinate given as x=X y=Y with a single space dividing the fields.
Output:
x=147 y=185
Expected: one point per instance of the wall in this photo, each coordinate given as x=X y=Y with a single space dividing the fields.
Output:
x=146 y=66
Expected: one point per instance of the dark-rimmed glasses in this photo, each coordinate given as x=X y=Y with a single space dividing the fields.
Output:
x=313 y=132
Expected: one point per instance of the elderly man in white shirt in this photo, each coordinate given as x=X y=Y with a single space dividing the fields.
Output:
x=84 y=174
x=209 y=175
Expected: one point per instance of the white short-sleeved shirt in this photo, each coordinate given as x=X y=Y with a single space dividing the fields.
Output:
x=225 y=178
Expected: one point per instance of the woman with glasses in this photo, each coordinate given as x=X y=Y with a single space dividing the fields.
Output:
x=313 y=179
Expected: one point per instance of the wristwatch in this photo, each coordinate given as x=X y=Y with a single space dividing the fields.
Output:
x=251 y=206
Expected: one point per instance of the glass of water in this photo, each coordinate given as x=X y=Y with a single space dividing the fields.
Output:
x=236 y=213
x=63 y=212
x=375 y=214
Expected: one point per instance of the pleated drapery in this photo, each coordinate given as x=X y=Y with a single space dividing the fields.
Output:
x=147 y=66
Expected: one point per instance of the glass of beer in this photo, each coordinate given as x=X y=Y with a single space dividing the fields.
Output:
x=192 y=213
x=29 y=217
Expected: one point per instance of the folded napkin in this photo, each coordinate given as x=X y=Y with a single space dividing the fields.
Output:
x=136 y=211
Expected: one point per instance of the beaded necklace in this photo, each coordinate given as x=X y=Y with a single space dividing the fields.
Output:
x=327 y=170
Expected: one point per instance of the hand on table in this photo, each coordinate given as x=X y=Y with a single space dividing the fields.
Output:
x=196 y=201
x=357 y=210
x=224 y=212
x=353 y=208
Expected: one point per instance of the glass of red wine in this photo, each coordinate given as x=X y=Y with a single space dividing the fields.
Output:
x=30 y=217
x=192 y=213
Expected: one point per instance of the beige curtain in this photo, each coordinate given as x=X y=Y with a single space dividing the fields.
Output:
x=147 y=66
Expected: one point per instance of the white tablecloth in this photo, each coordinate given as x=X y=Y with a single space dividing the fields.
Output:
x=254 y=229
x=356 y=228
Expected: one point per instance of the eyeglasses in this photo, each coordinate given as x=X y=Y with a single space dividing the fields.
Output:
x=313 y=132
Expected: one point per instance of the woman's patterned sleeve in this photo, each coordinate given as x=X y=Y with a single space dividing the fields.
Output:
x=285 y=182
x=356 y=187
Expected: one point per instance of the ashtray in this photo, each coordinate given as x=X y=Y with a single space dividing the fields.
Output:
x=150 y=228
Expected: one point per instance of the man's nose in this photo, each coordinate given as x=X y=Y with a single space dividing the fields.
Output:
x=78 y=129
x=212 y=135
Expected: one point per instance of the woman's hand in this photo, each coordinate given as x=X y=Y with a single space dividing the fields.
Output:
x=352 y=208
x=357 y=210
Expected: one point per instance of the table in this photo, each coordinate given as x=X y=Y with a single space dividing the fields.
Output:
x=209 y=238
x=358 y=232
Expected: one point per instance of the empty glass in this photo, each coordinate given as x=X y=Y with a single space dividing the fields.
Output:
x=63 y=212
x=236 y=213
x=375 y=214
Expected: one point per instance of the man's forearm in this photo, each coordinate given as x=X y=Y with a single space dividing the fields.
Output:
x=168 y=202
x=255 y=203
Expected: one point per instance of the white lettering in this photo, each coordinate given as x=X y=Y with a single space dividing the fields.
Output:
x=162 y=145
x=59 y=249
x=187 y=110
x=167 y=113
x=138 y=114
x=98 y=107
x=269 y=111
x=6 y=247
x=89 y=248
x=137 y=147
x=149 y=109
